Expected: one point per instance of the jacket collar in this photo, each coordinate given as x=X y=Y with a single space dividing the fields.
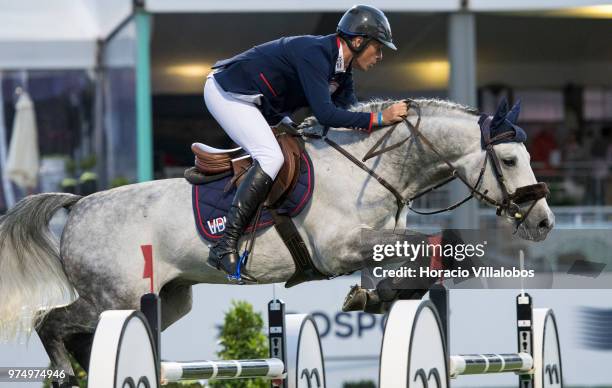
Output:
x=334 y=42
x=339 y=58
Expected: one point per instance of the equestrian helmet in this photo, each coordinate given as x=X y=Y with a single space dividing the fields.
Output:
x=366 y=21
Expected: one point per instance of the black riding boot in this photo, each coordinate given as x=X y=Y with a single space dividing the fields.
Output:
x=252 y=191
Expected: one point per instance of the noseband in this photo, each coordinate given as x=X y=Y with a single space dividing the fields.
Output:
x=510 y=204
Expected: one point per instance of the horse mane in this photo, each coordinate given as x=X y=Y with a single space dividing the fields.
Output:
x=429 y=106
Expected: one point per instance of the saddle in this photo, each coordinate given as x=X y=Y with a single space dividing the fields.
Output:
x=213 y=163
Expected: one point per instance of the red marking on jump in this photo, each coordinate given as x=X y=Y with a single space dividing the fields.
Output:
x=147 y=252
x=436 y=261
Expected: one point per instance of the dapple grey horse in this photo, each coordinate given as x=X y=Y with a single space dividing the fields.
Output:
x=59 y=289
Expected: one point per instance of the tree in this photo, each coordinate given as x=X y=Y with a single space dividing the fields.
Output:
x=242 y=337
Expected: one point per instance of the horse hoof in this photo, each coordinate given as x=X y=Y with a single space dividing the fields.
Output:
x=355 y=300
x=360 y=299
x=377 y=307
x=70 y=382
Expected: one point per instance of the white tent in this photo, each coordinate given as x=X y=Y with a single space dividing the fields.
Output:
x=63 y=34
x=58 y=34
x=341 y=5
x=50 y=35
x=37 y=34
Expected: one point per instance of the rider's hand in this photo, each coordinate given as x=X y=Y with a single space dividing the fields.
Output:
x=395 y=113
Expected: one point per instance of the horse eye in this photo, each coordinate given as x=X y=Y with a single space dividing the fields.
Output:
x=509 y=162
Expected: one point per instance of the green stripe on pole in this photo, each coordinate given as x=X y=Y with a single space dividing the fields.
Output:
x=143 y=97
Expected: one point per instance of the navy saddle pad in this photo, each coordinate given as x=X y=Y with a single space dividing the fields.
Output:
x=211 y=202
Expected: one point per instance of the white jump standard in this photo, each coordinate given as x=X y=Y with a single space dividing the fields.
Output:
x=415 y=352
x=126 y=348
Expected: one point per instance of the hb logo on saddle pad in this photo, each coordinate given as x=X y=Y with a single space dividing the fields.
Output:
x=216 y=225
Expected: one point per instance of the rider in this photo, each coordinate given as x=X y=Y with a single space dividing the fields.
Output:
x=258 y=88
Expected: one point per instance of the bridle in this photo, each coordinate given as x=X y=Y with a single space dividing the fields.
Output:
x=510 y=203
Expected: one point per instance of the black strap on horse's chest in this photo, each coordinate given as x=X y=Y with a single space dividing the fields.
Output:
x=305 y=270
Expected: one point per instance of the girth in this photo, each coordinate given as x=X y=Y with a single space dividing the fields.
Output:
x=305 y=269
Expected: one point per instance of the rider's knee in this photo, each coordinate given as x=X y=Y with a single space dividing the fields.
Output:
x=272 y=163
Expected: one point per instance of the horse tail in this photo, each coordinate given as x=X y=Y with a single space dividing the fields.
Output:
x=32 y=278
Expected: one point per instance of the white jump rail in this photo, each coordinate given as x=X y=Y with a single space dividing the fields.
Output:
x=222 y=370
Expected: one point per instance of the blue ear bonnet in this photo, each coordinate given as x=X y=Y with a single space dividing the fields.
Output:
x=503 y=121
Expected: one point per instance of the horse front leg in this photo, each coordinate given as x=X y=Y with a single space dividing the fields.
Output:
x=390 y=289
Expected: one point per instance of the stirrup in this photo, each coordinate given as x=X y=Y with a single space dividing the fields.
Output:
x=237 y=275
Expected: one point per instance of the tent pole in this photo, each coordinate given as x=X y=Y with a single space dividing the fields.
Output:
x=143 y=96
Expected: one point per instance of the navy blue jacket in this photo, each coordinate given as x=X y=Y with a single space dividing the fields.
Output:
x=294 y=72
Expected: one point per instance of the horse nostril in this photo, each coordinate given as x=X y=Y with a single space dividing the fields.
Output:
x=544 y=224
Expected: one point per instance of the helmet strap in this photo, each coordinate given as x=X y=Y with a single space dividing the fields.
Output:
x=357 y=51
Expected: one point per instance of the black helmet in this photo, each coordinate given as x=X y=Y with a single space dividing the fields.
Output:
x=366 y=21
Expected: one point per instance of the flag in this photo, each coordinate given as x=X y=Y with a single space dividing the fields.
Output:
x=147 y=252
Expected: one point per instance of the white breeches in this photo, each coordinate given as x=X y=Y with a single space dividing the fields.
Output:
x=245 y=125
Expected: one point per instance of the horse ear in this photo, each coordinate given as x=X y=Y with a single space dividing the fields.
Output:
x=500 y=115
x=514 y=112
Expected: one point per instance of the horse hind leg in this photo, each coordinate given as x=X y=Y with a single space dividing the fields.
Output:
x=176 y=301
x=59 y=357
x=68 y=332
x=79 y=346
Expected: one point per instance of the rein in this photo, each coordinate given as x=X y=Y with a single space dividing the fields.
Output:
x=510 y=202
